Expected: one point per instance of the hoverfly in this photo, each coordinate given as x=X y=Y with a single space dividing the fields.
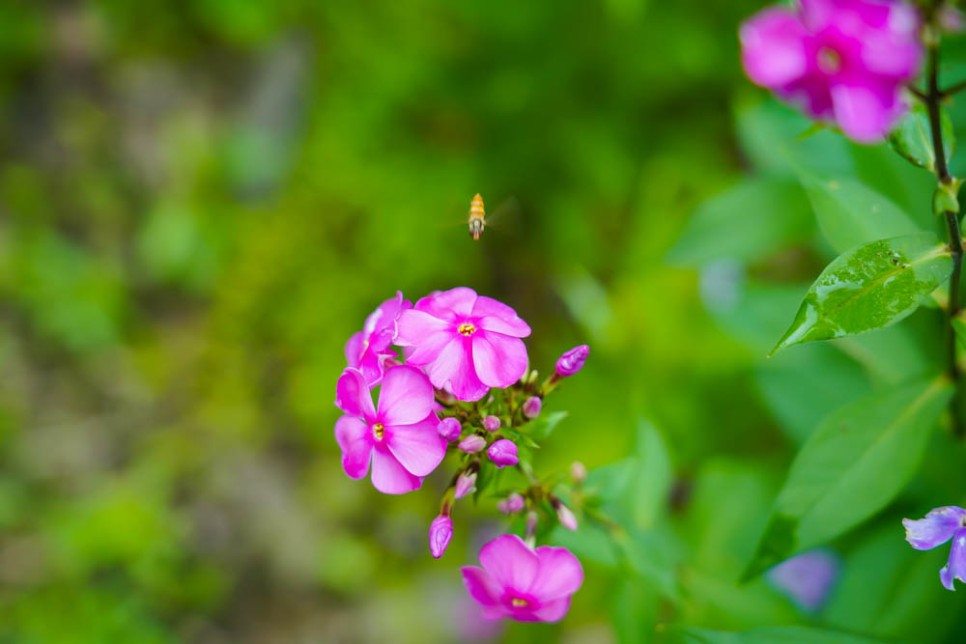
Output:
x=477 y=217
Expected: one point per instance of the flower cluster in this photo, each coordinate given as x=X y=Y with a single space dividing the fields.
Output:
x=844 y=61
x=453 y=377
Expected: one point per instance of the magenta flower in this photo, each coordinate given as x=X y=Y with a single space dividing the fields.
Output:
x=398 y=436
x=466 y=343
x=465 y=483
x=491 y=423
x=440 y=533
x=449 y=429
x=472 y=444
x=503 y=452
x=369 y=350
x=523 y=584
x=512 y=504
x=838 y=60
x=935 y=529
x=572 y=361
x=532 y=407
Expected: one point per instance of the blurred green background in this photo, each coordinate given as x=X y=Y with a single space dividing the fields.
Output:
x=201 y=201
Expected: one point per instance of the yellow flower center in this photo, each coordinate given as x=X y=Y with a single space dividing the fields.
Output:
x=378 y=431
x=516 y=602
x=466 y=329
x=829 y=60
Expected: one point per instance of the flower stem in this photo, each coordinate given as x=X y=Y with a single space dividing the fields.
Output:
x=946 y=183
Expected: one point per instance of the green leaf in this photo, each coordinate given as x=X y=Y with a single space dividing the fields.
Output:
x=959 y=325
x=748 y=222
x=541 y=427
x=870 y=287
x=770 y=635
x=854 y=464
x=850 y=213
x=912 y=138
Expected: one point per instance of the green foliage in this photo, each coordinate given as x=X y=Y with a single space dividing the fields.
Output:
x=912 y=138
x=775 y=635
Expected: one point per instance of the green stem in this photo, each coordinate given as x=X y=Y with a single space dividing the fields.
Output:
x=946 y=182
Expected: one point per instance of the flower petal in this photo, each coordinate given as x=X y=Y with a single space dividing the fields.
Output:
x=481 y=586
x=355 y=441
x=352 y=395
x=553 y=611
x=456 y=302
x=389 y=476
x=453 y=371
x=499 y=360
x=497 y=316
x=418 y=447
x=559 y=573
x=935 y=529
x=955 y=568
x=406 y=397
x=773 y=48
x=511 y=562
x=864 y=111
x=424 y=331
x=353 y=348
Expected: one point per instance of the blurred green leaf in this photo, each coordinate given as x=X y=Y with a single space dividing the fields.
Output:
x=850 y=468
x=912 y=138
x=543 y=425
x=773 y=635
x=870 y=287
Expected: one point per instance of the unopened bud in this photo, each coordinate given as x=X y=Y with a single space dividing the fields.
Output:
x=472 y=444
x=449 y=429
x=511 y=504
x=578 y=472
x=503 y=452
x=465 y=484
x=572 y=361
x=566 y=517
x=440 y=533
x=531 y=408
x=491 y=423
x=532 y=518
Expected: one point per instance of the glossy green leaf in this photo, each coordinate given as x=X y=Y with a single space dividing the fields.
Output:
x=870 y=287
x=959 y=325
x=854 y=464
x=748 y=222
x=772 y=635
x=912 y=138
x=850 y=213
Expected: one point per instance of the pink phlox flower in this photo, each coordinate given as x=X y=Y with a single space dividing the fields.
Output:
x=398 y=436
x=838 y=60
x=466 y=343
x=370 y=350
x=503 y=453
x=521 y=583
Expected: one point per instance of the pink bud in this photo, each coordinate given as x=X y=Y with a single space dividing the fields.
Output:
x=566 y=517
x=472 y=444
x=440 y=532
x=465 y=484
x=578 y=472
x=491 y=423
x=531 y=408
x=503 y=452
x=449 y=429
x=511 y=504
x=532 y=518
x=572 y=361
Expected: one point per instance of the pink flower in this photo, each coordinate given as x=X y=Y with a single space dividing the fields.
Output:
x=440 y=533
x=523 y=584
x=449 y=429
x=369 y=350
x=472 y=444
x=531 y=408
x=512 y=504
x=465 y=483
x=466 y=343
x=572 y=361
x=398 y=436
x=491 y=423
x=565 y=516
x=838 y=60
x=503 y=452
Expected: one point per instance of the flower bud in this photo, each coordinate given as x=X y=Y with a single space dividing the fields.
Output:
x=572 y=361
x=531 y=408
x=532 y=519
x=465 y=484
x=440 y=533
x=491 y=423
x=503 y=452
x=566 y=517
x=578 y=472
x=449 y=429
x=472 y=444
x=511 y=504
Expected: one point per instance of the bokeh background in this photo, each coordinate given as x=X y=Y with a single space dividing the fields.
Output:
x=200 y=202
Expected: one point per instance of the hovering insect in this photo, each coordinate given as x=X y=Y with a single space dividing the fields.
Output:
x=477 y=218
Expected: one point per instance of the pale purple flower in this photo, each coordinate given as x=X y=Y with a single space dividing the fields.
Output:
x=838 y=60
x=465 y=483
x=398 y=436
x=806 y=578
x=521 y=583
x=472 y=444
x=565 y=516
x=369 y=350
x=503 y=452
x=465 y=342
x=571 y=361
x=532 y=406
x=935 y=529
x=512 y=504
x=440 y=533
x=491 y=423
x=449 y=429
x=578 y=472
